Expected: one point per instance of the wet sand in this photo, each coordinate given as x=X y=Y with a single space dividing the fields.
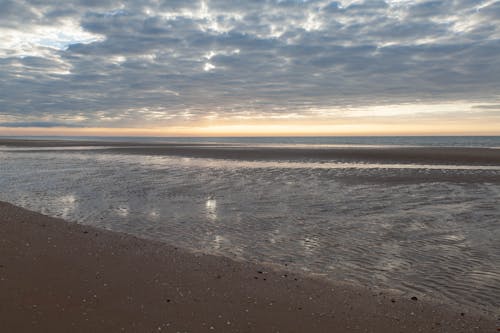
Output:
x=57 y=276
x=420 y=155
x=431 y=155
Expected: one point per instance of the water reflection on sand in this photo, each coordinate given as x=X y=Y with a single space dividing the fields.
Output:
x=419 y=228
x=211 y=209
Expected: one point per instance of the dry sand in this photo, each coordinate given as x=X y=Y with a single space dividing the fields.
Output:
x=57 y=276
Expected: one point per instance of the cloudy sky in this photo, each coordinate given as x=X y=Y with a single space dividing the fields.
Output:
x=217 y=67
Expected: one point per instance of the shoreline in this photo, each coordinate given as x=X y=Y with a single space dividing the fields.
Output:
x=406 y=155
x=61 y=276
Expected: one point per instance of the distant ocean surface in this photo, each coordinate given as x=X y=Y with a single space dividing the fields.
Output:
x=416 y=228
x=441 y=141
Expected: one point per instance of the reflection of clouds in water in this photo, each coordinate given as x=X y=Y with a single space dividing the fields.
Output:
x=275 y=236
x=67 y=200
x=389 y=264
x=219 y=241
x=211 y=209
x=272 y=239
x=222 y=244
x=455 y=238
x=67 y=203
x=310 y=244
x=122 y=210
x=162 y=161
x=154 y=214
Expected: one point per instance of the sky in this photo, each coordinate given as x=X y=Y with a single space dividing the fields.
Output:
x=260 y=67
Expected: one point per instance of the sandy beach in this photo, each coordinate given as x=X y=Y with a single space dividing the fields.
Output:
x=57 y=276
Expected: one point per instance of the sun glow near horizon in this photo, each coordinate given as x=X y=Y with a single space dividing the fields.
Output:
x=396 y=119
x=360 y=129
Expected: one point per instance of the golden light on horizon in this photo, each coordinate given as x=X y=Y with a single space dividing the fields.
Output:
x=450 y=127
x=459 y=118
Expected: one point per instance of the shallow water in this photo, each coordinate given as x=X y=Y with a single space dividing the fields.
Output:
x=435 y=230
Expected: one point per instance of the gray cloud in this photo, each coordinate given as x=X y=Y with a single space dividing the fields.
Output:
x=133 y=63
x=43 y=124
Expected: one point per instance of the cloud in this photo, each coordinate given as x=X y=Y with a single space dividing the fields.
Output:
x=43 y=124
x=170 y=63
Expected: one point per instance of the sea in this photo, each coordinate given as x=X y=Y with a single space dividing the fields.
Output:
x=419 y=229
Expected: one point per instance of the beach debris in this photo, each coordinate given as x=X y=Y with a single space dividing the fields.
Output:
x=414 y=298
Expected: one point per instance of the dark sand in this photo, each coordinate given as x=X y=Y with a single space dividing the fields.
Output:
x=57 y=276
x=419 y=155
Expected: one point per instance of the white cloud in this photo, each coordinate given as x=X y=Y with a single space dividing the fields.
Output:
x=33 y=41
x=208 y=67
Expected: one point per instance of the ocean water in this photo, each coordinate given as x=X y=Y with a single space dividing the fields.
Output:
x=440 y=141
x=425 y=230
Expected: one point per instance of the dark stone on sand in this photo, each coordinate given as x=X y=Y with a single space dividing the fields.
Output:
x=414 y=298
